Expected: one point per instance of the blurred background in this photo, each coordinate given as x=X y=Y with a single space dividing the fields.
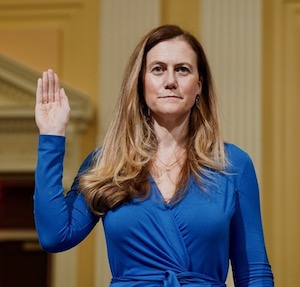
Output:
x=253 y=47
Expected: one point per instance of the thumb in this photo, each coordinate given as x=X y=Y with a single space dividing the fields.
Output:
x=62 y=93
x=63 y=98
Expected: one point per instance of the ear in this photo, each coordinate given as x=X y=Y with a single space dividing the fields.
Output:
x=199 y=87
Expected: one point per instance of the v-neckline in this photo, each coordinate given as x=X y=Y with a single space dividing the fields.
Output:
x=158 y=194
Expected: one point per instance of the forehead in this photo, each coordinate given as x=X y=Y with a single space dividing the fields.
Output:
x=172 y=50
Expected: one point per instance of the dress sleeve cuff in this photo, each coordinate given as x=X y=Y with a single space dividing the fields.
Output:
x=52 y=142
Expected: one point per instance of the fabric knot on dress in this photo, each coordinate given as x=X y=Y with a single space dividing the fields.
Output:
x=172 y=279
x=190 y=279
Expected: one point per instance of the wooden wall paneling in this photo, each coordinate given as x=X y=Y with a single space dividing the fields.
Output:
x=291 y=165
x=281 y=156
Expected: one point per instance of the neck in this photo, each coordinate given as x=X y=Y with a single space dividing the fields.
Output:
x=171 y=134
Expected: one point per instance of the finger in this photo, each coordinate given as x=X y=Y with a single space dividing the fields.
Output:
x=45 y=87
x=39 y=91
x=51 y=86
x=56 y=88
x=64 y=99
x=63 y=95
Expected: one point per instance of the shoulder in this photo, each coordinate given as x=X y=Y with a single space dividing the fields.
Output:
x=241 y=171
x=237 y=158
x=89 y=161
x=233 y=152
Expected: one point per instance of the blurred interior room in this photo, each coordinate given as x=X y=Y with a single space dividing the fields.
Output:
x=253 y=47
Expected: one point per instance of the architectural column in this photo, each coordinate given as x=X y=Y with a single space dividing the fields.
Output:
x=231 y=36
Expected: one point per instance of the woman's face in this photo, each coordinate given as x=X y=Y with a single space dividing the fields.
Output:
x=171 y=79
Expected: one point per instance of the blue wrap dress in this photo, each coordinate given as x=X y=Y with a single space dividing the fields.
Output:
x=151 y=243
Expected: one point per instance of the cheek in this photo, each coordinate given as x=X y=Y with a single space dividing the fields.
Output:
x=191 y=91
x=192 y=88
x=151 y=87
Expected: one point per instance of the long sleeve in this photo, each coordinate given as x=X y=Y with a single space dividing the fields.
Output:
x=61 y=221
x=247 y=247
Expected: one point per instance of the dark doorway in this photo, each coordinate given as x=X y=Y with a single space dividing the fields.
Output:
x=22 y=261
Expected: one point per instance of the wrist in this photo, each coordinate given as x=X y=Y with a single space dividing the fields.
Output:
x=54 y=132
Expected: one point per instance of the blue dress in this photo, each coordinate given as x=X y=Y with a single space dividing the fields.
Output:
x=151 y=243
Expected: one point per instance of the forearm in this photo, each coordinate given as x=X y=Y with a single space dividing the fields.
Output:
x=61 y=222
x=248 y=252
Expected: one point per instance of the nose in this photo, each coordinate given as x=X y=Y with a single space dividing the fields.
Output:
x=171 y=82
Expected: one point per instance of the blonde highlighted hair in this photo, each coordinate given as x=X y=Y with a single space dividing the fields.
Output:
x=121 y=167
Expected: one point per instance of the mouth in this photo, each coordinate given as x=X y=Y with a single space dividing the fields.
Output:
x=170 y=97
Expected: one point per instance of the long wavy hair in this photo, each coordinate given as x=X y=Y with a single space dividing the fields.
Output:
x=120 y=171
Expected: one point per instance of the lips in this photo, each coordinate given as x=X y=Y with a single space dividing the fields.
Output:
x=170 y=97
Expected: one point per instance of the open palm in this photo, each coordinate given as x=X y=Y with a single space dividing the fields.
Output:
x=52 y=110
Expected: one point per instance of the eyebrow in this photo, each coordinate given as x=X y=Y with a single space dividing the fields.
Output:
x=164 y=64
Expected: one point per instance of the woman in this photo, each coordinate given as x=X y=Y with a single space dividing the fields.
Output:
x=176 y=202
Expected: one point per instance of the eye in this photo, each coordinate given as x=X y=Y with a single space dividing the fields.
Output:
x=183 y=70
x=157 y=70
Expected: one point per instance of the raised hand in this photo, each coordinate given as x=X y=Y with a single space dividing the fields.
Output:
x=52 y=110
